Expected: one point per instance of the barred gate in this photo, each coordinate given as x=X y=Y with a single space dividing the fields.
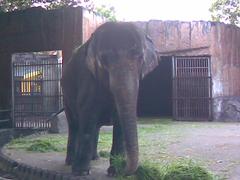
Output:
x=192 y=92
x=36 y=91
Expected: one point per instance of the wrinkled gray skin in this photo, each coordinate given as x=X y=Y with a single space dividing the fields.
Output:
x=100 y=86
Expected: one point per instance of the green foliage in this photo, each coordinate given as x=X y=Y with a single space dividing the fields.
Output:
x=105 y=141
x=12 y=5
x=45 y=143
x=42 y=146
x=104 y=154
x=226 y=11
x=148 y=171
x=107 y=12
x=176 y=170
x=186 y=170
x=118 y=162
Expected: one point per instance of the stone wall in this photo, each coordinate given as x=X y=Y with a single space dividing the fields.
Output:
x=226 y=108
x=225 y=51
x=220 y=41
x=179 y=38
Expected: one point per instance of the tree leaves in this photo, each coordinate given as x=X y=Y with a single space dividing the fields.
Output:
x=226 y=11
x=11 y=5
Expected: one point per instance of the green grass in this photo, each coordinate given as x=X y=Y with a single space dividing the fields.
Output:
x=44 y=143
x=104 y=154
x=186 y=169
x=155 y=136
x=182 y=169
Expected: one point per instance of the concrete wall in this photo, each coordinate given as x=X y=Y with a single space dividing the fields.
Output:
x=90 y=22
x=179 y=38
x=218 y=40
x=225 y=51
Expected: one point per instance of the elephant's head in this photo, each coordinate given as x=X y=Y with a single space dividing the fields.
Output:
x=126 y=54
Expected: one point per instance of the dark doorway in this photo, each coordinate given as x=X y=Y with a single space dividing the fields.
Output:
x=155 y=91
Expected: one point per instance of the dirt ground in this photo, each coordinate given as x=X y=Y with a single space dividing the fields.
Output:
x=217 y=145
x=55 y=161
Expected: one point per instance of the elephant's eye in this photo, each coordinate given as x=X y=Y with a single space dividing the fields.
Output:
x=136 y=54
x=106 y=59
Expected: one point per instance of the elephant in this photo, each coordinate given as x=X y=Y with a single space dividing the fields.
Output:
x=100 y=87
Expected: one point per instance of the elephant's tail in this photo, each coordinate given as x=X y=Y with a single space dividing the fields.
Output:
x=55 y=114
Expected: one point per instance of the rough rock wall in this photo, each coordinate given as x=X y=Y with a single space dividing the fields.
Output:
x=225 y=53
x=179 y=38
x=220 y=41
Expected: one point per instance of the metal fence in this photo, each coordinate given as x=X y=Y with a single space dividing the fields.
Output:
x=36 y=89
x=192 y=92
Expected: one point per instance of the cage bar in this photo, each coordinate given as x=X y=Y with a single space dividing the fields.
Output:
x=192 y=88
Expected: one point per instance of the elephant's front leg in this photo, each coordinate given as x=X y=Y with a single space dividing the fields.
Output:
x=117 y=146
x=84 y=147
x=72 y=135
x=72 y=139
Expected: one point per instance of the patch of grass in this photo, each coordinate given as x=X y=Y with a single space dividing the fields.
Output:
x=104 y=154
x=44 y=143
x=43 y=146
x=148 y=171
x=118 y=162
x=105 y=141
x=177 y=170
x=186 y=170
x=154 y=121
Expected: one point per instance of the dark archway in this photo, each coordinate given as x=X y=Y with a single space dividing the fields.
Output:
x=155 y=92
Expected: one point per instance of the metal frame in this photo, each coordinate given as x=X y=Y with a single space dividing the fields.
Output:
x=192 y=88
x=36 y=91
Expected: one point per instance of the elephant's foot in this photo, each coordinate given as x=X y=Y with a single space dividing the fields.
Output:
x=68 y=161
x=80 y=171
x=112 y=171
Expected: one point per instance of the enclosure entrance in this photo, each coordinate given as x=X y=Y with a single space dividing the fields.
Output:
x=192 y=88
x=155 y=91
x=36 y=91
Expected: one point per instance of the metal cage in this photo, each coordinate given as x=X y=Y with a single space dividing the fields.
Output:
x=36 y=91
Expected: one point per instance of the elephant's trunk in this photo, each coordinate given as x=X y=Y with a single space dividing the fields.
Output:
x=124 y=86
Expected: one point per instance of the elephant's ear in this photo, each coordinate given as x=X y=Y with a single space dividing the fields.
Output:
x=150 y=60
x=91 y=58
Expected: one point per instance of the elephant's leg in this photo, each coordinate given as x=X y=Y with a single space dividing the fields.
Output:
x=117 y=146
x=84 y=148
x=95 y=155
x=72 y=135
